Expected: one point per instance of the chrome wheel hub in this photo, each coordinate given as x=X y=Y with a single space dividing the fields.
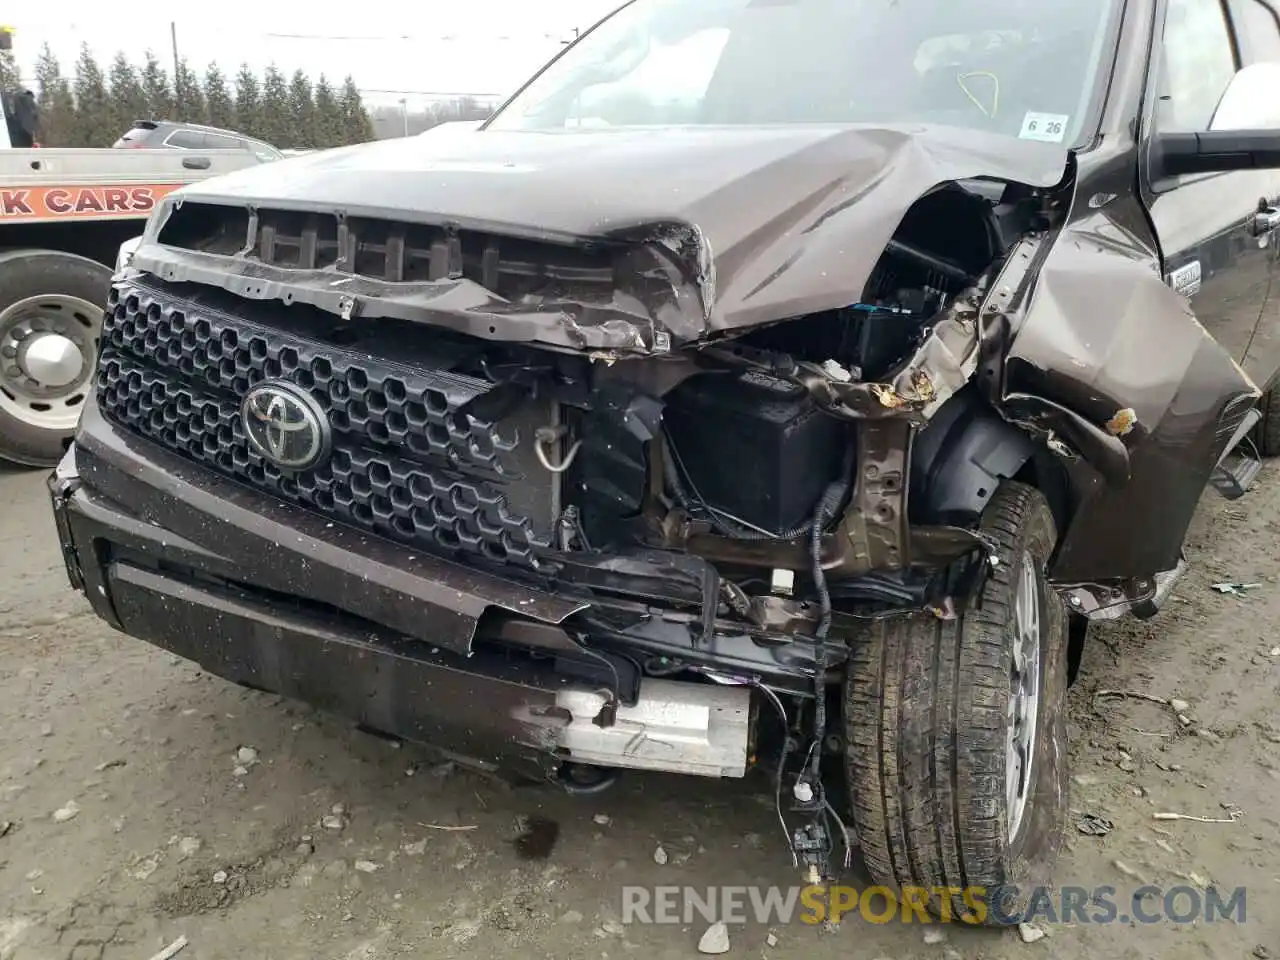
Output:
x=52 y=360
x=48 y=349
x=1024 y=696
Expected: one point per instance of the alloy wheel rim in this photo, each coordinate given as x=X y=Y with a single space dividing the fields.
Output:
x=1024 y=696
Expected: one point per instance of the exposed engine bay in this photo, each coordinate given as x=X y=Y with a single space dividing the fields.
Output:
x=744 y=500
x=739 y=450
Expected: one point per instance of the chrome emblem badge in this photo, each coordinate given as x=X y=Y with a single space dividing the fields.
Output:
x=285 y=426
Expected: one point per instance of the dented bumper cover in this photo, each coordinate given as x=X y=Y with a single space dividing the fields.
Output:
x=274 y=598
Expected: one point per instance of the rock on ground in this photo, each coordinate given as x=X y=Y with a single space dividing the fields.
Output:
x=715 y=940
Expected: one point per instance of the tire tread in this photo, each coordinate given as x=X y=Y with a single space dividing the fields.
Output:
x=925 y=726
x=1267 y=432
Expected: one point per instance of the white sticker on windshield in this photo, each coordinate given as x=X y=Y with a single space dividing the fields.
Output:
x=1049 y=127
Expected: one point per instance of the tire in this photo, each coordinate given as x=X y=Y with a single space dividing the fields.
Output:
x=46 y=291
x=1266 y=435
x=926 y=715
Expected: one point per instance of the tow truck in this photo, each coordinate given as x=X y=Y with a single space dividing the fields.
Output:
x=63 y=216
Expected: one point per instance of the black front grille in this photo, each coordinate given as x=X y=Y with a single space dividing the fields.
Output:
x=410 y=460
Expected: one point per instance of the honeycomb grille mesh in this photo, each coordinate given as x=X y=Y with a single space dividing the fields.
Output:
x=407 y=462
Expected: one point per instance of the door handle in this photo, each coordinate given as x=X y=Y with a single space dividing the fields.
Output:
x=202 y=163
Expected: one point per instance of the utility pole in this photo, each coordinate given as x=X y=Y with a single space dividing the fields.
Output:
x=404 y=112
x=173 y=40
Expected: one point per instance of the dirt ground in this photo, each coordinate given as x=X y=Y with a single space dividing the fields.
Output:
x=132 y=820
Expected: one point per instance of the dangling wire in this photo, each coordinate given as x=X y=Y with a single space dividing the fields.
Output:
x=783 y=752
x=548 y=435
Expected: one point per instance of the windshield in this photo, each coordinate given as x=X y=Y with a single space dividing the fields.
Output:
x=1025 y=68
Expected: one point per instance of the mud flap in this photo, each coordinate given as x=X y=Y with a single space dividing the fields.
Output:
x=1104 y=337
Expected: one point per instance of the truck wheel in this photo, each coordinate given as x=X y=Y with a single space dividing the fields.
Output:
x=51 y=307
x=1266 y=435
x=956 y=756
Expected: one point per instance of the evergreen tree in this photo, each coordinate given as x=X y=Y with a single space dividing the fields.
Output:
x=57 y=104
x=156 y=84
x=48 y=73
x=327 y=130
x=356 y=125
x=128 y=99
x=188 y=98
x=277 y=117
x=302 y=108
x=93 y=104
x=248 y=103
x=221 y=109
x=10 y=75
x=94 y=109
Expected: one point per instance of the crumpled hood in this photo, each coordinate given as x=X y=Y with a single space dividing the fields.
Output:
x=793 y=219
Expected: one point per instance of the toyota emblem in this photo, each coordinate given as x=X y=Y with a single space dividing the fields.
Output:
x=285 y=426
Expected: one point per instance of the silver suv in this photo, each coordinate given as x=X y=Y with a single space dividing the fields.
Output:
x=193 y=136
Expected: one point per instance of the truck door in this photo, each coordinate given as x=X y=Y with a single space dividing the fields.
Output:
x=1217 y=248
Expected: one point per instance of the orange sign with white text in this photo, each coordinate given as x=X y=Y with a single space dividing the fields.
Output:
x=112 y=202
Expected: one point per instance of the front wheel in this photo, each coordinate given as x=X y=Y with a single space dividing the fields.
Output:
x=956 y=758
x=51 y=307
x=1267 y=432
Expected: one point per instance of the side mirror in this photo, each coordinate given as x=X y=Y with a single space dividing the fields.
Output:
x=1244 y=133
x=1251 y=100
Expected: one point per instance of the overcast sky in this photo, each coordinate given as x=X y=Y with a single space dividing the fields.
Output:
x=438 y=46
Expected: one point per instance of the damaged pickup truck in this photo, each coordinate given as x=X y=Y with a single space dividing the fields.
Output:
x=778 y=386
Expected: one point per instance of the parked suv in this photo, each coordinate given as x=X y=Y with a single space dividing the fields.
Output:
x=193 y=136
x=766 y=386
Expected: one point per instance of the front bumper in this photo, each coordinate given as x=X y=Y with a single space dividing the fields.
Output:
x=275 y=598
